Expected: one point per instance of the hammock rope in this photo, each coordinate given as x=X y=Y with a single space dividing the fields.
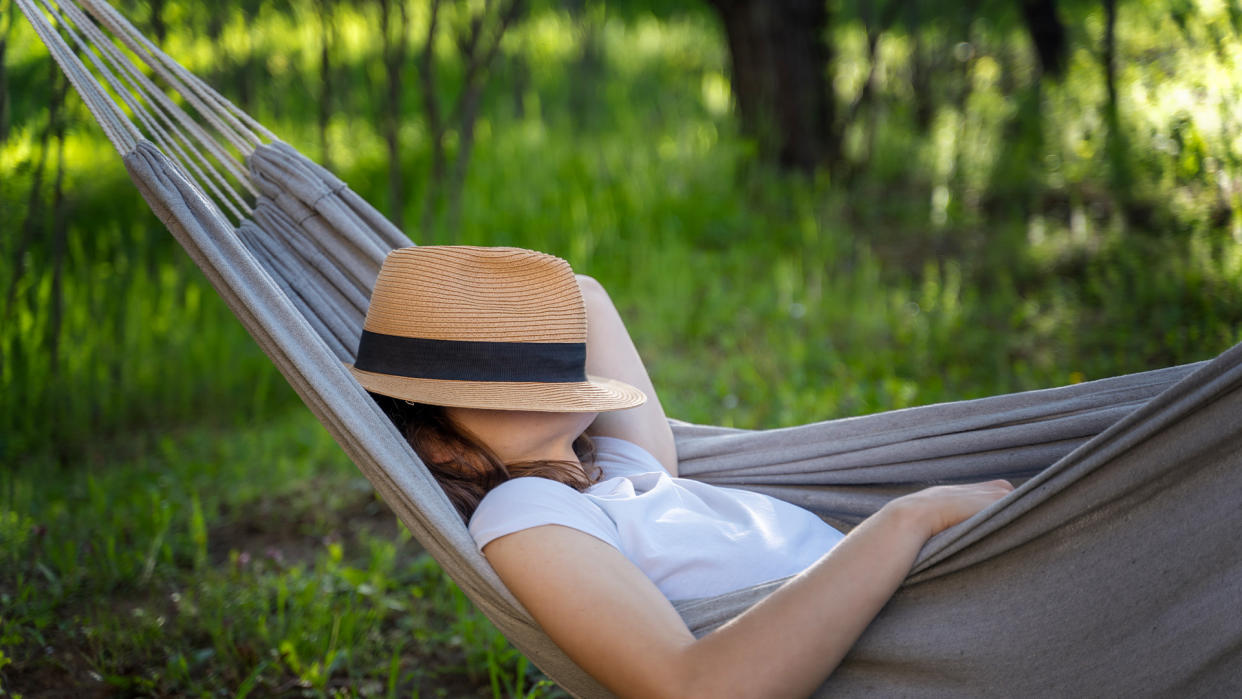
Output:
x=1141 y=471
x=119 y=130
x=177 y=133
x=231 y=123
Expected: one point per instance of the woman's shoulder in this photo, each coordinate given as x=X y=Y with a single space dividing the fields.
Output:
x=531 y=501
x=526 y=491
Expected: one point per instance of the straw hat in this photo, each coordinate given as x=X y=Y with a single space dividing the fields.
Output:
x=473 y=327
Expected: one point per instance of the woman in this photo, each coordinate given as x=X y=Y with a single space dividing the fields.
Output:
x=511 y=347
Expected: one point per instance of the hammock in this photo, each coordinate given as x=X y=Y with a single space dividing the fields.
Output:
x=1115 y=568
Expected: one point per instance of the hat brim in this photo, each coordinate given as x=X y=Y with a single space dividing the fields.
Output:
x=596 y=394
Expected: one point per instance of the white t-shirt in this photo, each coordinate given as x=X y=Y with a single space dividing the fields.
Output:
x=691 y=538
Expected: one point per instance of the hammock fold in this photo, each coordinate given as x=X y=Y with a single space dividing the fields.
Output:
x=1116 y=566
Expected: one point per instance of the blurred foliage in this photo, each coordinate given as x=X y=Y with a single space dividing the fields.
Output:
x=978 y=241
x=605 y=135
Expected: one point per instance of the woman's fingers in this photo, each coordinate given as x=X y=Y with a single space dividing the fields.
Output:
x=943 y=506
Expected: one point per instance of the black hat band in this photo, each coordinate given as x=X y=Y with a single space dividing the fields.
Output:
x=471 y=360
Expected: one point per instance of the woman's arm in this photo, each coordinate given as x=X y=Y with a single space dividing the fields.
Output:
x=613 y=621
x=611 y=354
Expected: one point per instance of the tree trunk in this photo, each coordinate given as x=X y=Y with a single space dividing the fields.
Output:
x=60 y=226
x=158 y=27
x=1117 y=150
x=780 y=63
x=478 y=43
x=249 y=77
x=35 y=219
x=1110 y=53
x=1047 y=34
x=325 y=78
x=432 y=196
x=921 y=81
x=394 y=52
x=4 y=76
x=865 y=98
x=587 y=69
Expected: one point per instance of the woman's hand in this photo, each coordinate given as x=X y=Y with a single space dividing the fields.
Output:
x=942 y=506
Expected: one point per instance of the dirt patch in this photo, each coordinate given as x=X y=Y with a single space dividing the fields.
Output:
x=295 y=527
x=55 y=678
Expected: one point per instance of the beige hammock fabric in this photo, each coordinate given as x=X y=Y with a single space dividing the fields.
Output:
x=1115 y=568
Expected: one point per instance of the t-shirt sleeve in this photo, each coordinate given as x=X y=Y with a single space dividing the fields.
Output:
x=619 y=457
x=530 y=501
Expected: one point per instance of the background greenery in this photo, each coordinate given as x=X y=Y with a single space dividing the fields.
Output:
x=172 y=521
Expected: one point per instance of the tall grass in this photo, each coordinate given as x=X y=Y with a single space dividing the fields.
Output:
x=142 y=339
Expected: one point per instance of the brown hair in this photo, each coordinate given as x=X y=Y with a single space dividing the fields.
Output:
x=465 y=468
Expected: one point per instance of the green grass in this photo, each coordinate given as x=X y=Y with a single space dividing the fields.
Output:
x=256 y=559
x=172 y=523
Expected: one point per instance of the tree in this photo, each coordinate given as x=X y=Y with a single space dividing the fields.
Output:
x=781 y=66
x=394 y=53
x=4 y=74
x=477 y=37
x=327 y=38
x=779 y=59
x=1047 y=34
